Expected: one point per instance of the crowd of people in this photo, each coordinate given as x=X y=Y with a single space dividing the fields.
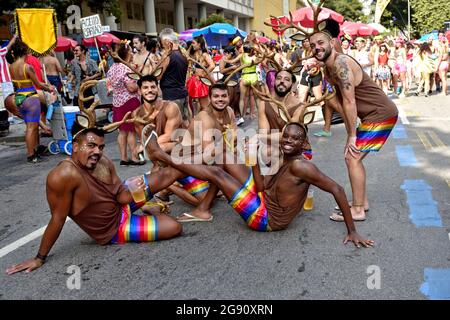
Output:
x=163 y=86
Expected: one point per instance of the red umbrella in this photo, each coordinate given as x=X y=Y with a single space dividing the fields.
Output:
x=104 y=39
x=358 y=29
x=305 y=16
x=64 y=44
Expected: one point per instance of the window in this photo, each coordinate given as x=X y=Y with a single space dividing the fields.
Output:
x=129 y=10
x=137 y=11
x=170 y=18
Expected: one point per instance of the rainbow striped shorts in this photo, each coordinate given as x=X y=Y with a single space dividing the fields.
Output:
x=134 y=228
x=249 y=204
x=193 y=185
x=372 y=136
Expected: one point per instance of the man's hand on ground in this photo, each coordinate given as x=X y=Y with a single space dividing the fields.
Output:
x=358 y=240
x=28 y=265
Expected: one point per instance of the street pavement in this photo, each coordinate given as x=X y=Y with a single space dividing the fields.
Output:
x=223 y=259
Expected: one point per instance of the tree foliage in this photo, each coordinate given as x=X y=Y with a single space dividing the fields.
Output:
x=352 y=10
x=430 y=15
x=60 y=6
x=211 y=19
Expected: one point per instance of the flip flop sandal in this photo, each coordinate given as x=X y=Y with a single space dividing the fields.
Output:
x=338 y=217
x=192 y=218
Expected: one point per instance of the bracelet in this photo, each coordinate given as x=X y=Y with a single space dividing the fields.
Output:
x=42 y=258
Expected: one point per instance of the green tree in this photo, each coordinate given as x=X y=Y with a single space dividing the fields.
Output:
x=60 y=6
x=395 y=15
x=430 y=15
x=211 y=19
x=350 y=9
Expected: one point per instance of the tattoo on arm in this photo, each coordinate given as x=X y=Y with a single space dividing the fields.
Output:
x=341 y=71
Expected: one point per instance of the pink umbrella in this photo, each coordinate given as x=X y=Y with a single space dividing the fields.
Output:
x=104 y=39
x=358 y=29
x=262 y=39
x=305 y=16
x=64 y=44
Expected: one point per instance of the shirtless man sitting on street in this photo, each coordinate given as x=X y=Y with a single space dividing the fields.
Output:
x=87 y=189
x=270 y=203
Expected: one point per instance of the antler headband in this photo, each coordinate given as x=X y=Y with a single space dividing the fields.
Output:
x=303 y=33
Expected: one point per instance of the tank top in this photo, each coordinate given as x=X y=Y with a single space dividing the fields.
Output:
x=383 y=59
x=282 y=214
x=245 y=59
x=173 y=81
x=100 y=218
x=363 y=58
x=372 y=104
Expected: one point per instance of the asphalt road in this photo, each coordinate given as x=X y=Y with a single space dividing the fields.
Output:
x=223 y=259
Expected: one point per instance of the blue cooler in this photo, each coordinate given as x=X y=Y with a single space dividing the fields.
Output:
x=61 y=124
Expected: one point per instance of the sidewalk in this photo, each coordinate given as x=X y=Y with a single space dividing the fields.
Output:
x=16 y=134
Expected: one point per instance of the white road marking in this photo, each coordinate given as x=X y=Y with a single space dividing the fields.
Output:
x=22 y=241
x=402 y=115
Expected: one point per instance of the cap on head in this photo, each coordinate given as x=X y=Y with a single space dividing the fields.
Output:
x=236 y=40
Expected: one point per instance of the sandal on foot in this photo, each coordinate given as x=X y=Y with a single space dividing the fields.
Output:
x=186 y=217
x=338 y=217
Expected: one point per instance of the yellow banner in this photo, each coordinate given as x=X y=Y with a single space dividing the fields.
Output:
x=381 y=5
x=37 y=29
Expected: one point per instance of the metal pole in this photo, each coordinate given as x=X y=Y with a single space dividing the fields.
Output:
x=409 y=21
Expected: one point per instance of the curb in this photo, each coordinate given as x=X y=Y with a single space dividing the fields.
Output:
x=12 y=139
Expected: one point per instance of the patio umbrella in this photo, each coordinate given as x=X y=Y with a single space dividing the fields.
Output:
x=358 y=29
x=105 y=38
x=186 y=35
x=262 y=39
x=64 y=44
x=305 y=16
x=219 y=34
x=425 y=37
x=378 y=27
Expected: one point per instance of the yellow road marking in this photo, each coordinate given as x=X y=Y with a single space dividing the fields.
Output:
x=423 y=138
x=436 y=139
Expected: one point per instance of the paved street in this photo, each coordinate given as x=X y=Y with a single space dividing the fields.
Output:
x=223 y=259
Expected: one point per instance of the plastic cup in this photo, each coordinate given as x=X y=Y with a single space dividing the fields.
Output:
x=251 y=155
x=136 y=187
x=309 y=202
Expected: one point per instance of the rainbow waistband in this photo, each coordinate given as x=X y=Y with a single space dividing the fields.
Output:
x=194 y=186
x=372 y=136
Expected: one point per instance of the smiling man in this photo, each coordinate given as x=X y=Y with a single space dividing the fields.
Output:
x=267 y=203
x=359 y=97
x=87 y=189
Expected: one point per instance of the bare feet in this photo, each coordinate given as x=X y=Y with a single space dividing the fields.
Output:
x=151 y=148
x=357 y=216
x=350 y=203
